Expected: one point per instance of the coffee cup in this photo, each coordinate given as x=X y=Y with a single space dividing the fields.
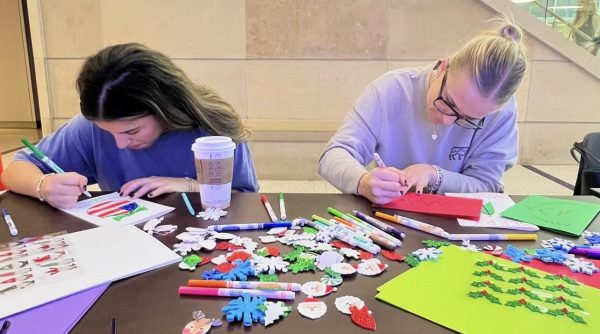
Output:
x=213 y=156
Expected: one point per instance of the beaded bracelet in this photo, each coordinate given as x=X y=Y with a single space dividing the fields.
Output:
x=438 y=182
x=38 y=187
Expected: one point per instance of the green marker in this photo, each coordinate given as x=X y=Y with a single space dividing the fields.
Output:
x=46 y=160
x=42 y=156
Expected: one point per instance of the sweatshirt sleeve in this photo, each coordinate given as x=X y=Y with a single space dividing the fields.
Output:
x=70 y=147
x=348 y=152
x=493 y=151
x=244 y=174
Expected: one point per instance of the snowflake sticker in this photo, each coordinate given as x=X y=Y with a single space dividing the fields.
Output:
x=425 y=254
x=245 y=308
x=577 y=265
x=517 y=255
x=558 y=244
x=551 y=255
x=466 y=245
x=238 y=271
x=212 y=213
x=592 y=238
x=269 y=264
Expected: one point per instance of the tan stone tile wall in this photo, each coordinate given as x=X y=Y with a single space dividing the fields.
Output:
x=293 y=68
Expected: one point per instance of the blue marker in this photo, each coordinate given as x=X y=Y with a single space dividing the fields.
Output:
x=189 y=206
x=243 y=227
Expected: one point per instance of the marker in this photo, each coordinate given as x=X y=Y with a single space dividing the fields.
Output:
x=282 y=207
x=9 y=221
x=417 y=225
x=492 y=237
x=189 y=206
x=379 y=224
x=339 y=232
x=244 y=227
x=270 y=211
x=378 y=160
x=390 y=242
x=47 y=161
x=374 y=229
x=245 y=285
x=5 y=327
x=225 y=292
x=592 y=253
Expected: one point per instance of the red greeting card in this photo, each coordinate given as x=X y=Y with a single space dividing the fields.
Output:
x=437 y=205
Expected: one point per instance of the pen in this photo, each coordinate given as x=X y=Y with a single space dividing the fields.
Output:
x=245 y=285
x=282 y=207
x=378 y=160
x=225 y=292
x=189 y=206
x=265 y=201
x=5 y=327
x=244 y=227
x=9 y=221
x=47 y=161
x=113 y=325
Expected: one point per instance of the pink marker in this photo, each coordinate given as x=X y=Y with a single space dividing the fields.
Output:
x=224 y=292
x=270 y=211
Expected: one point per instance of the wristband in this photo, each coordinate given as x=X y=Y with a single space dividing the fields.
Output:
x=38 y=187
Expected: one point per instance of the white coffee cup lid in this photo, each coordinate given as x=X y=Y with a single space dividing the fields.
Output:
x=213 y=144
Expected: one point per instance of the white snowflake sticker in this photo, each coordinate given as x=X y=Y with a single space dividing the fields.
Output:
x=212 y=213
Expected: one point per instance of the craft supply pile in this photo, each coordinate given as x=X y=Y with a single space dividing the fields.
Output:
x=450 y=278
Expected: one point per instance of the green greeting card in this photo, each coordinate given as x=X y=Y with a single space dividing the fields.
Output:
x=558 y=215
x=472 y=292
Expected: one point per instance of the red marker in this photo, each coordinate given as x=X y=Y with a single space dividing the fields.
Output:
x=270 y=211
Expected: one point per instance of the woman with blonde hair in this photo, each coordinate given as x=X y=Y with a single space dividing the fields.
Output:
x=447 y=127
x=587 y=22
x=140 y=115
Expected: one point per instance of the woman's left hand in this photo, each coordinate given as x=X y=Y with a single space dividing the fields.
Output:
x=420 y=176
x=154 y=186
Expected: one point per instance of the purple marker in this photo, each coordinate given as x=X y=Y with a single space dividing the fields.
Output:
x=587 y=252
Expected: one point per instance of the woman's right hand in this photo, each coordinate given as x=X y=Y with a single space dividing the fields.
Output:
x=62 y=190
x=381 y=185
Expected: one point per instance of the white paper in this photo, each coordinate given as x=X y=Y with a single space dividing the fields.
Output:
x=500 y=202
x=103 y=255
x=145 y=210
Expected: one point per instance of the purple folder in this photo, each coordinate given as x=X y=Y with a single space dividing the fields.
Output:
x=59 y=316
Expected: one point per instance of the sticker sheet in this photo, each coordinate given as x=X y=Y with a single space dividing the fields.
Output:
x=33 y=261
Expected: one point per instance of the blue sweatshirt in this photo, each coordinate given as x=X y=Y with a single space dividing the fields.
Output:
x=82 y=147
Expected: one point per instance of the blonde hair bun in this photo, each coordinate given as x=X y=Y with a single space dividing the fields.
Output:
x=511 y=31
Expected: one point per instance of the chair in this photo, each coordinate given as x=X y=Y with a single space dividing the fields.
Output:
x=588 y=175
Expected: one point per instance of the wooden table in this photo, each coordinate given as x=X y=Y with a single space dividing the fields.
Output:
x=149 y=303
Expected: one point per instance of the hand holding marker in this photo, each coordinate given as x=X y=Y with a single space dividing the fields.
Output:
x=47 y=161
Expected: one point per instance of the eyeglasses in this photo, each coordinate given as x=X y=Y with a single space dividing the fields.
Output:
x=443 y=107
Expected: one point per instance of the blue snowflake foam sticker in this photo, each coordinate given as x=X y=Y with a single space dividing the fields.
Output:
x=240 y=272
x=517 y=254
x=245 y=308
x=551 y=255
x=593 y=238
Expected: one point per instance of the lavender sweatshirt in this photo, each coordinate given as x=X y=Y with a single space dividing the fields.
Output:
x=390 y=118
